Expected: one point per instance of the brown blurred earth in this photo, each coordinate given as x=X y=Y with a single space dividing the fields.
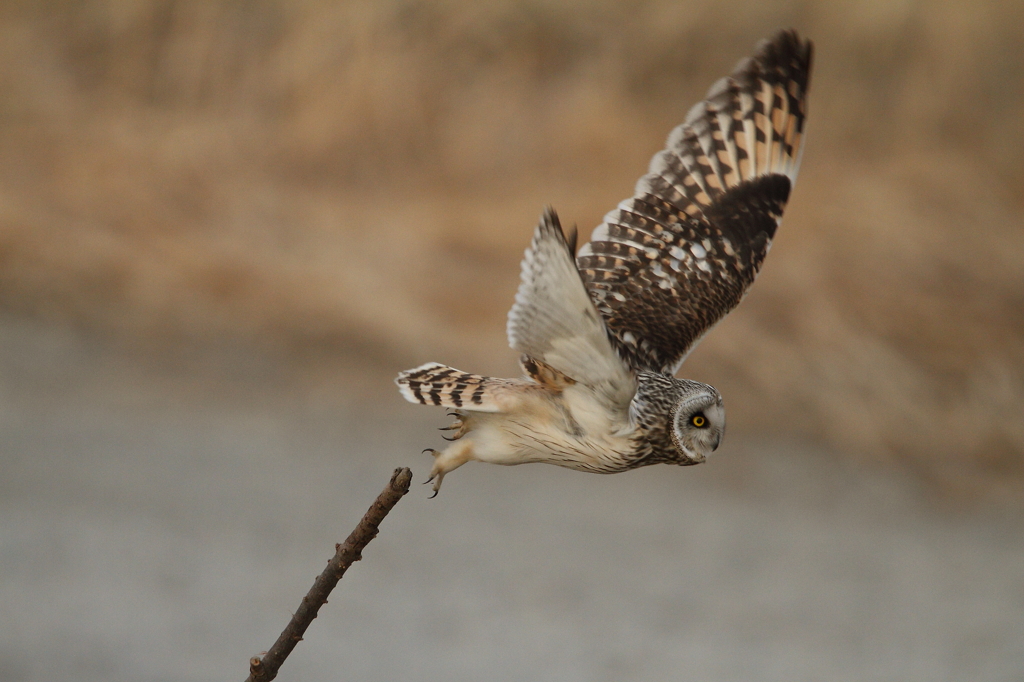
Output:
x=319 y=180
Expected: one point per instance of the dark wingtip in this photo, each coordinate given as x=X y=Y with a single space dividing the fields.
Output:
x=786 y=42
x=550 y=220
x=550 y=217
x=785 y=52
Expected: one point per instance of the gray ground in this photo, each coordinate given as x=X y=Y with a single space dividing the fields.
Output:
x=160 y=523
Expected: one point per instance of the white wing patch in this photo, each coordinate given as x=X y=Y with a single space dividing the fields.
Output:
x=554 y=320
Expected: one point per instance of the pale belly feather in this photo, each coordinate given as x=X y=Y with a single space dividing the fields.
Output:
x=572 y=429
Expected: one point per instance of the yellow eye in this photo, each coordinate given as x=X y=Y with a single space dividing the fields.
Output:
x=698 y=420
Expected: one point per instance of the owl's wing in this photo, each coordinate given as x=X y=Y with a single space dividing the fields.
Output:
x=669 y=263
x=554 y=320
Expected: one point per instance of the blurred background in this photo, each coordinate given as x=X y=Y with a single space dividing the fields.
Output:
x=226 y=225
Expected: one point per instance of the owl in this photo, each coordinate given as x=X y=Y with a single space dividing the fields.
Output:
x=602 y=331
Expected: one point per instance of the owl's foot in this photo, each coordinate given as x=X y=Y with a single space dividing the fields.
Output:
x=451 y=459
x=458 y=426
x=436 y=480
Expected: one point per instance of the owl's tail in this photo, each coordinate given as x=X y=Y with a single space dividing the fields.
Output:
x=437 y=384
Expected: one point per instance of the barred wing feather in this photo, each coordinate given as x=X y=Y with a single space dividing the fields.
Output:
x=670 y=262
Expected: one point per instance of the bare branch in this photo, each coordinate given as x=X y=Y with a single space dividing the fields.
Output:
x=265 y=669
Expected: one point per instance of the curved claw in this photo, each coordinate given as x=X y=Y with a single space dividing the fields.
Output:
x=450 y=439
x=430 y=450
x=435 y=494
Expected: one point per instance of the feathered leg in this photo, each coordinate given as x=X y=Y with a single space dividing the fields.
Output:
x=470 y=396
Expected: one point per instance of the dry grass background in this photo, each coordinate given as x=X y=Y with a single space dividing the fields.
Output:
x=359 y=179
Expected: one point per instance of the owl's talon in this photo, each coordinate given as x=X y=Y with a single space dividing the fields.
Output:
x=436 y=478
x=458 y=426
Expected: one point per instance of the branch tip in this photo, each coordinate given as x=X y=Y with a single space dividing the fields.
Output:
x=401 y=479
x=265 y=669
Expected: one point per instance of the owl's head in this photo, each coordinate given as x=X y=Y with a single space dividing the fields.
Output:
x=698 y=421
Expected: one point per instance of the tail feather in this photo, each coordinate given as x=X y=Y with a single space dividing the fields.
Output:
x=443 y=386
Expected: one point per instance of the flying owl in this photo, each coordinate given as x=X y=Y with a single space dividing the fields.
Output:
x=603 y=331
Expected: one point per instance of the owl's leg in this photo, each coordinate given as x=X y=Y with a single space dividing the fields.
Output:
x=454 y=456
